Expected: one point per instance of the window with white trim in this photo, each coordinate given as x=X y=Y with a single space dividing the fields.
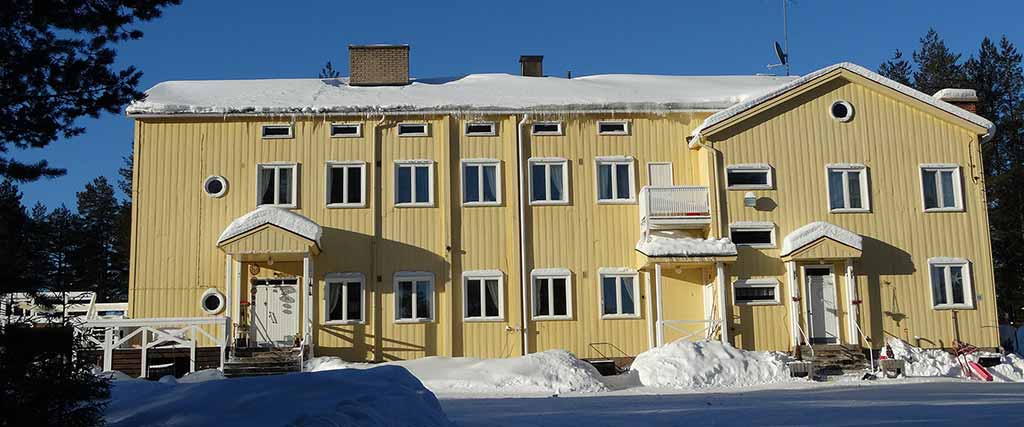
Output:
x=414 y=183
x=756 y=292
x=414 y=297
x=483 y=292
x=346 y=130
x=413 y=129
x=346 y=184
x=276 y=184
x=950 y=280
x=343 y=298
x=620 y=291
x=549 y=180
x=480 y=185
x=753 y=234
x=546 y=128
x=940 y=188
x=847 y=188
x=276 y=131
x=481 y=129
x=615 y=180
x=552 y=294
x=749 y=177
x=613 y=127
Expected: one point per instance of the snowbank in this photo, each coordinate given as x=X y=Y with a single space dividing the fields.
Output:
x=816 y=230
x=684 y=364
x=201 y=376
x=285 y=219
x=939 y=363
x=387 y=396
x=553 y=371
x=661 y=245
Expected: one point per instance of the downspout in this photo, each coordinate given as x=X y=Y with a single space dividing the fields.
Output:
x=715 y=154
x=378 y=232
x=523 y=278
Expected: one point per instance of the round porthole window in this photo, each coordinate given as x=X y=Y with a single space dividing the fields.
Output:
x=215 y=186
x=212 y=301
x=842 y=111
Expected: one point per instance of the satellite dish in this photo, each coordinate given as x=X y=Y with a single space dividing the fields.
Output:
x=783 y=57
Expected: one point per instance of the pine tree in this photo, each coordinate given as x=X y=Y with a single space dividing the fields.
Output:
x=937 y=67
x=328 y=72
x=97 y=265
x=62 y=234
x=897 y=69
x=13 y=230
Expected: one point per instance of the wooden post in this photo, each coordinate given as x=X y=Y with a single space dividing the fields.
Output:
x=144 y=354
x=722 y=301
x=192 y=350
x=794 y=303
x=852 y=310
x=108 y=349
x=661 y=306
x=647 y=301
x=225 y=341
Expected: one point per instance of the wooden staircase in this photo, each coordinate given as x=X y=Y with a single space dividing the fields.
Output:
x=835 y=359
x=252 y=362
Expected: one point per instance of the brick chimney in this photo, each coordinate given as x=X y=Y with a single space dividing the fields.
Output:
x=378 y=65
x=531 y=65
x=963 y=98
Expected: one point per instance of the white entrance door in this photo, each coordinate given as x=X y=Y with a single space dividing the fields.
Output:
x=276 y=321
x=659 y=174
x=822 y=309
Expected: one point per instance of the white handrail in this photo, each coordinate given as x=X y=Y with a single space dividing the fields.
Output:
x=186 y=332
x=871 y=350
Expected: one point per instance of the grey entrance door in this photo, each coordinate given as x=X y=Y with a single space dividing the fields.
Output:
x=822 y=310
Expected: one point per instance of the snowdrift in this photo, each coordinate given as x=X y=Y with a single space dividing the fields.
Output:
x=553 y=371
x=684 y=364
x=388 y=396
x=939 y=363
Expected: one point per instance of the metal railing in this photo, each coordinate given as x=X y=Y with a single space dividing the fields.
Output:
x=155 y=332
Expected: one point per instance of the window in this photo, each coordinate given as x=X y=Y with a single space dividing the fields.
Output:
x=548 y=181
x=481 y=129
x=480 y=182
x=212 y=301
x=346 y=130
x=276 y=185
x=940 y=187
x=546 y=128
x=346 y=183
x=483 y=295
x=615 y=179
x=413 y=129
x=619 y=293
x=841 y=111
x=749 y=177
x=951 y=283
x=414 y=183
x=276 y=131
x=753 y=234
x=343 y=299
x=215 y=186
x=414 y=297
x=552 y=294
x=613 y=127
x=755 y=292
x=847 y=188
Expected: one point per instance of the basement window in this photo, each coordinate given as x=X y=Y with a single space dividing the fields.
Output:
x=613 y=127
x=756 y=292
x=413 y=129
x=481 y=129
x=346 y=130
x=546 y=128
x=276 y=131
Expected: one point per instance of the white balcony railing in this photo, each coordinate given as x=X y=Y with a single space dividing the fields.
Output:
x=145 y=334
x=674 y=206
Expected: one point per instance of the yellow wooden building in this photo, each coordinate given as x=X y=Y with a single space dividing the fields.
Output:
x=380 y=217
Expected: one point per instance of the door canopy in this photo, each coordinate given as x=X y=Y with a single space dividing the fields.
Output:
x=271 y=230
x=821 y=240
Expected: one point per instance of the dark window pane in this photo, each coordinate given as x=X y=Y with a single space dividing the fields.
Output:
x=839 y=110
x=355 y=184
x=276 y=130
x=344 y=130
x=939 y=285
x=835 y=190
x=628 y=299
x=622 y=182
x=541 y=302
x=214 y=186
x=471 y=183
x=931 y=196
x=539 y=183
x=604 y=182
x=405 y=300
x=490 y=184
x=422 y=184
x=736 y=177
x=334 y=302
x=611 y=127
x=758 y=293
x=956 y=278
x=480 y=129
x=853 y=182
x=403 y=182
x=608 y=294
x=558 y=290
x=337 y=193
x=545 y=128
x=751 y=237
x=412 y=129
x=556 y=182
x=491 y=301
x=354 y=298
x=473 y=298
x=948 y=200
x=424 y=296
x=284 y=195
x=267 y=186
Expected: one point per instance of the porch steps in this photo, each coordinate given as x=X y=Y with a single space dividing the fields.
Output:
x=260 y=362
x=835 y=359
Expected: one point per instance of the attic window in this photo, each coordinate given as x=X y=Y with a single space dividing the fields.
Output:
x=412 y=129
x=481 y=129
x=613 y=127
x=546 y=128
x=346 y=130
x=276 y=131
x=841 y=111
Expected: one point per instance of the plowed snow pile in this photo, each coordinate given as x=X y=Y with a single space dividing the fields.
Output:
x=553 y=371
x=939 y=363
x=684 y=364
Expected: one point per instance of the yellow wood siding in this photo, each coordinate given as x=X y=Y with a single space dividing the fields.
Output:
x=824 y=248
x=267 y=239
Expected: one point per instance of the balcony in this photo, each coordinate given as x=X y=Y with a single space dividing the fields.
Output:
x=675 y=207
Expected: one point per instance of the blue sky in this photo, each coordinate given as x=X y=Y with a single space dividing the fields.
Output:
x=269 y=39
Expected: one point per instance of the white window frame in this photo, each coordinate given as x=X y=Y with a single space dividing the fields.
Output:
x=214 y=292
x=343 y=165
x=430 y=189
x=755 y=226
x=751 y=168
x=618 y=274
x=945 y=263
x=223 y=186
x=277 y=178
x=624 y=123
x=492 y=132
x=551 y=273
x=559 y=132
x=343 y=279
x=849 y=111
x=426 y=129
x=614 y=161
x=358 y=134
x=415 y=276
x=757 y=283
x=865 y=192
x=291 y=131
x=958 y=197
x=547 y=171
x=483 y=276
x=480 y=185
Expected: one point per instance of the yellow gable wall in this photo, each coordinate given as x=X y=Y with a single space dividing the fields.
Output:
x=824 y=248
x=892 y=137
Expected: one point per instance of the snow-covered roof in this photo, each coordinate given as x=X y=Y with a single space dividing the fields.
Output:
x=659 y=245
x=470 y=93
x=953 y=95
x=809 y=233
x=735 y=110
x=283 y=218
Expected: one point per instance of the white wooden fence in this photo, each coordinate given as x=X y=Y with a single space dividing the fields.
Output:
x=157 y=332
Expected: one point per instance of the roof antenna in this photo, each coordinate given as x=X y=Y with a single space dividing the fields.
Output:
x=783 y=52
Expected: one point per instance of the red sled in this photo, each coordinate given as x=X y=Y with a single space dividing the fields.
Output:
x=980 y=371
